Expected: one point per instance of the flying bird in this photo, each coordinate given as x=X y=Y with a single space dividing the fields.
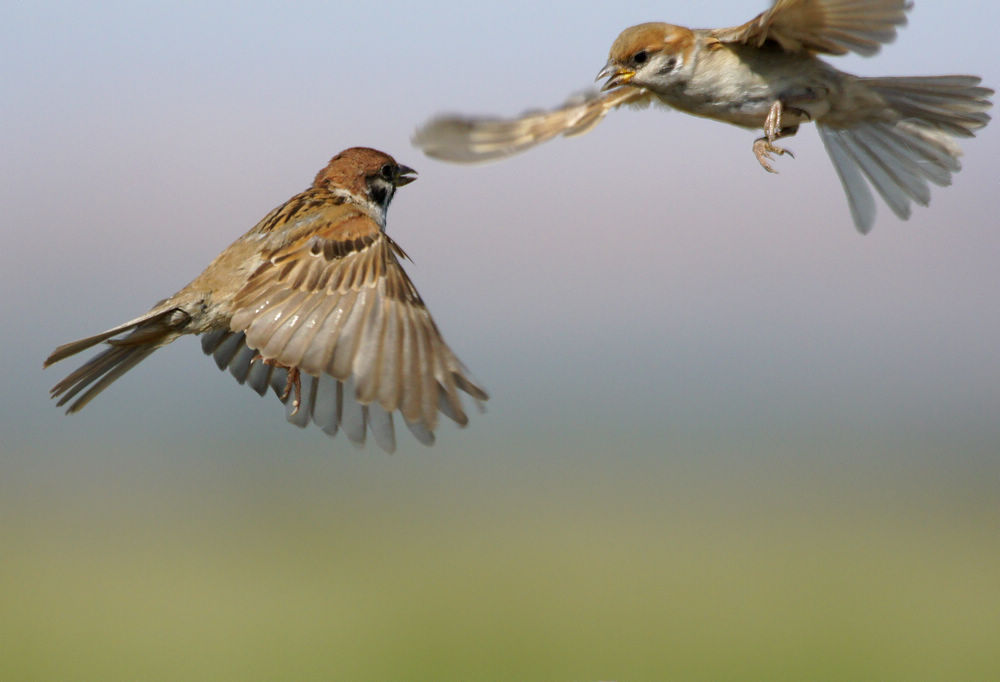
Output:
x=894 y=133
x=313 y=303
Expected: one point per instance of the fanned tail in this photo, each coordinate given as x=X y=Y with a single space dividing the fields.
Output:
x=146 y=334
x=953 y=104
x=900 y=157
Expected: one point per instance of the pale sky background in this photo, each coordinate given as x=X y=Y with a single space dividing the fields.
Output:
x=643 y=290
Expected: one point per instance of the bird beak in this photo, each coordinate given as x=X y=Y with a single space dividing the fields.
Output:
x=616 y=75
x=404 y=176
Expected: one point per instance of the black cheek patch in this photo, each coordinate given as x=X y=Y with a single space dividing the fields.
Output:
x=668 y=67
x=380 y=193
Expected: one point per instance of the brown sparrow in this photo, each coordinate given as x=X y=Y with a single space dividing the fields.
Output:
x=895 y=132
x=313 y=302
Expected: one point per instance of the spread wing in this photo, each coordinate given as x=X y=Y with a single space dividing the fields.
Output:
x=468 y=140
x=826 y=26
x=336 y=305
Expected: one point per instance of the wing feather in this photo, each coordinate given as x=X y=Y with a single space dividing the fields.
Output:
x=337 y=305
x=824 y=26
x=326 y=406
x=369 y=347
x=409 y=359
x=390 y=358
x=428 y=395
x=342 y=364
x=464 y=139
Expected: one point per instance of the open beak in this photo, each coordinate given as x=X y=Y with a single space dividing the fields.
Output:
x=616 y=75
x=405 y=176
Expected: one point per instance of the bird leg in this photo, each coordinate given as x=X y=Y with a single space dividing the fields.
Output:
x=292 y=383
x=763 y=147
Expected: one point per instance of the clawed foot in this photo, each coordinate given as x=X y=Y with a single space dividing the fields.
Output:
x=292 y=383
x=763 y=148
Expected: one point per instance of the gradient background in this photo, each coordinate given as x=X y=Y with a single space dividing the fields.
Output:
x=728 y=438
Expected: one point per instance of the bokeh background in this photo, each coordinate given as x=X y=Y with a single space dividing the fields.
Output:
x=729 y=438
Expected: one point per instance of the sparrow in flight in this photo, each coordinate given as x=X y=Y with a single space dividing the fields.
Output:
x=894 y=133
x=312 y=302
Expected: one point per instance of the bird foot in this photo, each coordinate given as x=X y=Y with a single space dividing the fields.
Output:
x=763 y=148
x=292 y=383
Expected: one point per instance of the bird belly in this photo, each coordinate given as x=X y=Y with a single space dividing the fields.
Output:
x=741 y=90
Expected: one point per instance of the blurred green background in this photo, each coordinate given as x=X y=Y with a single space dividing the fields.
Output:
x=728 y=438
x=519 y=560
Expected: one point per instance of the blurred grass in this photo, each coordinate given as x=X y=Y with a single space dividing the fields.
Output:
x=206 y=565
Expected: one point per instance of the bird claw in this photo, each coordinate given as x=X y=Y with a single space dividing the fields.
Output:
x=763 y=148
x=293 y=382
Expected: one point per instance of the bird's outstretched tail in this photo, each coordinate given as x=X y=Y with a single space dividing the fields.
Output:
x=145 y=334
x=899 y=157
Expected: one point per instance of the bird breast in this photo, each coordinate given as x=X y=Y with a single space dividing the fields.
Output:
x=738 y=84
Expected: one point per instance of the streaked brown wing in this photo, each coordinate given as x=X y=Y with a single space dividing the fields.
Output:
x=337 y=302
x=826 y=26
x=468 y=140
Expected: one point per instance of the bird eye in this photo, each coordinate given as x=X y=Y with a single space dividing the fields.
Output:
x=388 y=172
x=640 y=57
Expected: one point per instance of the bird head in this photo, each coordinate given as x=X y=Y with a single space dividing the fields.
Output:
x=367 y=174
x=653 y=55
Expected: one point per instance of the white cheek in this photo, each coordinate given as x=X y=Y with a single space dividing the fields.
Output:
x=662 y=72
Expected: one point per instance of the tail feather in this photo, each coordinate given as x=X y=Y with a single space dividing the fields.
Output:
x=74 y=347
x=912 y=172
x=904 y=172
x=147 y=333
x=878 y=174
x=900 y=157
x=98 y=374
x=859 y=197
x=953 y=104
